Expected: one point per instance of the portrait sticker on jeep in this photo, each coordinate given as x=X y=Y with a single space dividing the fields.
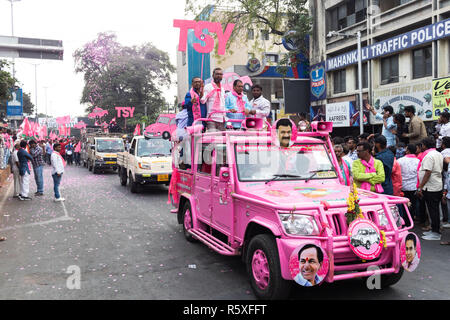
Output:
x=365 y=239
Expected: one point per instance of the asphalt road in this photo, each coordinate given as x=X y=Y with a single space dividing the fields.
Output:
x=129 y=246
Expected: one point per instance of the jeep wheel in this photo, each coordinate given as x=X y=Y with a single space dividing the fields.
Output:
x=263 y=268
x=123 y=177
x=166 y=135
x=134 y=187
x=367 y=245
x=187 y=222
x=388 y=280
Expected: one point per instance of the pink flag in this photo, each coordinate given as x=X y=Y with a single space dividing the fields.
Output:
x=26 y=129
x=137 y=130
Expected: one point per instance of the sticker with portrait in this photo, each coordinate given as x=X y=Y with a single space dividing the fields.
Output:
x=410 y=252
x=284 y=133
x=364 y=239
x=309 y=265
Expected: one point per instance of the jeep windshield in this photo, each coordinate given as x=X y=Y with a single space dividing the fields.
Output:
x=153 y=147
x=110 y=145
x=266 y=162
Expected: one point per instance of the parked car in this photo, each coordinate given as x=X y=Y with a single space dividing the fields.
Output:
x=165 y=125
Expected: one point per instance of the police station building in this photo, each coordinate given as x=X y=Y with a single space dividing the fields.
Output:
x=405 y=45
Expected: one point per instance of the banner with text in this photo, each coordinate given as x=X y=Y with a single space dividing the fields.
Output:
x=441 y=96
x=338 y=113
x=414 y=94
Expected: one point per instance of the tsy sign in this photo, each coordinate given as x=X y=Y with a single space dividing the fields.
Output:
x=199 y=26
x=125 y=112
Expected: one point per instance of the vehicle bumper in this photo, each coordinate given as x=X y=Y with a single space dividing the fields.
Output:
x=153 y=178
x=343 y=263
x=106 y=165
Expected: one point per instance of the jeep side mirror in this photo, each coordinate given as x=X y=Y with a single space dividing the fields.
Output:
x=224 y=174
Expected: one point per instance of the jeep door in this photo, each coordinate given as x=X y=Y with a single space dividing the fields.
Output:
x=222 y=203
x=202 y=182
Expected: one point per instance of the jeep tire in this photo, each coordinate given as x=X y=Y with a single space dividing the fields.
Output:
x=186 y=218
x=262 y=254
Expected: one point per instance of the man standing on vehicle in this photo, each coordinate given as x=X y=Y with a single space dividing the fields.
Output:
x=237 y=104
x=214 y=98
x=194 y=107
x=389 y=126
x=260 y=105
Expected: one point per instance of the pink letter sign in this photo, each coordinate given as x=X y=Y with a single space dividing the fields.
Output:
x=126 y=112
x=215 y=27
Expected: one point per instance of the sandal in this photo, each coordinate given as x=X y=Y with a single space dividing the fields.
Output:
x=445 y=243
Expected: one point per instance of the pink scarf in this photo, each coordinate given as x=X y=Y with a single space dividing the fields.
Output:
x=63 y=161
x=195 y=107
x=370 y=168
x=240 y=101
x=346 y=172
x=217 y=91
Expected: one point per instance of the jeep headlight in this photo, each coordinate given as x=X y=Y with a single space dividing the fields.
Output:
x=299 y=224
x=145 y=166
x=382 y=218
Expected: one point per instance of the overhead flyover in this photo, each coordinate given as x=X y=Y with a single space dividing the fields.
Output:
x=31 y=48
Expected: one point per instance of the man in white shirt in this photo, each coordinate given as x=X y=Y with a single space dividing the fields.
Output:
x=444 y=131
x=57 y=170
x=15 y=170
x=260 y=105
x=409 y=164
x=214 y=98
x=430 y=186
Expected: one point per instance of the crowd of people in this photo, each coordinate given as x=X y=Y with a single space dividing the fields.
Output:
x=55 y=153
x=404 y=160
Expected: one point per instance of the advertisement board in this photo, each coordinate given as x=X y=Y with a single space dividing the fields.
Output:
x=338 y=113
x=14 y=107
x=441 y=96
x=416 y=94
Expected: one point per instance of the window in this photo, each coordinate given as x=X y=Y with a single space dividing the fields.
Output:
x=221 y=157
x=389 y=69
x=346 y=14
x=164 y=120
x=339 y=81
x=173 y=121
x=250 y=34
x=365 y=73
x=204 y=159
x=422 y=62
x=264 y=35
x=273 y=58
x=183 y=58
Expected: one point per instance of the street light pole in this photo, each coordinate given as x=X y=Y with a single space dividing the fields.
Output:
x=361 y=107
x=12 y=33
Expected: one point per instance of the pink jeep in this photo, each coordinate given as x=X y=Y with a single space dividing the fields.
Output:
x=164 y=125
x=284 y=210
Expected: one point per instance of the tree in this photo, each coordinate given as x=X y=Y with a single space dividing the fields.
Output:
x=28 y=106
x=7 y=82
x=282 y=18
x=120 y=76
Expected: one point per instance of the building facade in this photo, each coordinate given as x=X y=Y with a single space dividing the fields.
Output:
x=405 y=45
x=255 y=56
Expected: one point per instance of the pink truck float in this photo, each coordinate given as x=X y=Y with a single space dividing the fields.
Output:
x=283 y=209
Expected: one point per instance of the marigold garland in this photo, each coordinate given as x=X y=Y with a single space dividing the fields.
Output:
x=384 y=242
x=353 y=210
